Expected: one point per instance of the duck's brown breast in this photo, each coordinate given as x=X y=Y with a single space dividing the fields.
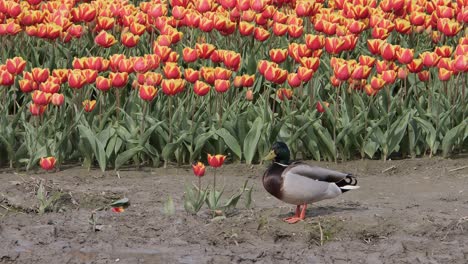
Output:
x=273 y=181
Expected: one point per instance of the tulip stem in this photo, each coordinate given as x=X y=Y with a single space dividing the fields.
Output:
x=199 y=187
x=215 y=205
x=335 y=114
x=169 y=111
x=117 y=97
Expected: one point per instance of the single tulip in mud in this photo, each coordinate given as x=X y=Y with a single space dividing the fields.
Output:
x=198 y=169
x=47 y=163
x=216 y=161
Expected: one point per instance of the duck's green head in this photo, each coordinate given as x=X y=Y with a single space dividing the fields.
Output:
x=279 y=153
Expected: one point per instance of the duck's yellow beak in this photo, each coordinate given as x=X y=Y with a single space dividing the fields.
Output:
x=270 y=156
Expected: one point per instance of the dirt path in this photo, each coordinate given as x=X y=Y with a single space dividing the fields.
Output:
x=414 y=212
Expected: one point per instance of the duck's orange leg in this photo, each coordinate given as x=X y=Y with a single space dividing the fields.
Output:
x=300 y=215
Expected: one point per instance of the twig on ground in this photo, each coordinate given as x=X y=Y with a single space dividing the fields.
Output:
x=387 y=169
x=459 y=168
x=321 y=232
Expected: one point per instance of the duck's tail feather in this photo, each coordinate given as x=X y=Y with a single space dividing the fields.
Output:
x=348 y=183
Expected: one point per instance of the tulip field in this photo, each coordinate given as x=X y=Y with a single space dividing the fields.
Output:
x=146 y=83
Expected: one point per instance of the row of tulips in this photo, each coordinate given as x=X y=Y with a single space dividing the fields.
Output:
x=309 y=72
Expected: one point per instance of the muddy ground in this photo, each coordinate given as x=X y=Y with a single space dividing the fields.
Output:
x=407 y=211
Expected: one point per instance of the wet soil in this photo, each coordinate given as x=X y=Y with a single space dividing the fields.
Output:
x=406 y=211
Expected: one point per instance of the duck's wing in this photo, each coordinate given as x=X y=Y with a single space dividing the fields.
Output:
x=314 y=172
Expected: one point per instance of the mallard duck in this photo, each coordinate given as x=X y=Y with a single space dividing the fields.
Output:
x=300 y=183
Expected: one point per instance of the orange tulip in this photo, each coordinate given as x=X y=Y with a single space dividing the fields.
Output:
x=191 y=75
x=402 y=73
x=246 y=28
x=460 y=63
x=369 y=90
x=232 y=60
x=208 y=74
x=342 y=71
x=40 y=75
x=172 y=87
x=444 y=74
x=424 y=76
x=47 y=163
x=6 y=78
x=15 y=65
x=249 y=95
x=119 y=79
x=404 y=55
x=201 y=88
x=444 y=51
x=334 y=45
x=284 y=94
x=27 y=86
x=402 y=26
x=216 y=161
x=172 y=71
x=294 y=80
x=374 y=45
x=320 y=108
x=103 y=84
x=356 y=27
x=380 y=33
x=76 y=79
x=129 y=40
x=105 y=39
x=261 y=34
x=189 y=54
x=204 y=50
x=37 y=110
x=198 y=169
x=89 y=75
x=40 y=97
x=278 y=55
x=276 y=75
x=221 y=86
x=415 y=65
x=137 y=29
x=310 y=63
x=387 y=51
x=448 y=27
x=305 y=74
x=314 y=42
x=89 y=105
x=361 y=72
x=83 y=13
x=49 y=87
x=366 y=60
x=248 y=80
x=162 y=51
x=377 y=82
x=279 y=29
x=222 y=73
x=57 y=99
x=304 y=51
x=147 y=92
x=417 y=18
x=104 y=23
x=61 y=75
x=430 y=59
x=295 y=31
x=389 y=76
